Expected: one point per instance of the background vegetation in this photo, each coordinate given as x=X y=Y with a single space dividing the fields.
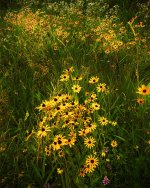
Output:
x=50 y=48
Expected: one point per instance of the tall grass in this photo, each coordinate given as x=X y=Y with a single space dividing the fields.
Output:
x=47 y=55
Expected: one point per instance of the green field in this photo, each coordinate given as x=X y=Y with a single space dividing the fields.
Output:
x=74 y=94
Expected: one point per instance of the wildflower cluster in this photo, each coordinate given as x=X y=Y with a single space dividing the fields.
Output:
x=143 y=91
x=104 y=35
x=68 y=123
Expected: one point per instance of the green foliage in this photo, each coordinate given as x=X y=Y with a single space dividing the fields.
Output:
x=56 y=50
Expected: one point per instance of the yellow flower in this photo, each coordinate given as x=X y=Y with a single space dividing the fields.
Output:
x=64 y=77
x=55 y=145
x=45 y=106
x=59 y=171
x=140 y=101
x=103 y=121
x=89 y=169
x=93 y=80
x=92 y=98
x=76 y=88
x=89 y=142
x=77 y=78
x=58 y=142
x=66 y=97
x=143 y=90
x=108 y=160
x=101 y=87
x=120 y=43
x=115 y=47
x=114 y=123
x=42 y=132
x=92 y=161
x=114 y=143
x=83 y=132
x=60 y=139
x=107 y=50
x=69 y=70
x=71 y=141
x=95 y=106
x=82 y=172
x=103 y=154
x=48 y=151
x=90 y=126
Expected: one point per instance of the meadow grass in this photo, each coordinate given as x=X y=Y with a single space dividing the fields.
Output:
x=75 y=98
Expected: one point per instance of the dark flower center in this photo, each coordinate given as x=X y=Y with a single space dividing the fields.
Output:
x=59 y=141
x=67 y=121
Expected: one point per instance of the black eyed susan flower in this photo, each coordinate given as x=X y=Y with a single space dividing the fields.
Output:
x=47 y=150
x=107 y=51
x=93 y=80
x=140 y=101
x=77 y=78
x=95 y=106
x=71 y=141
x=89 y=142
x=92 y=98
x=120 y=43
x=86 y=120
x=101 y=87
x=114 y=143
x=82 y=172
x=42 y=132
x=61 y=153
x=55 y=146
x=64 y=77
x=115 y=46
x=69 y=70
x=144 y=90
x=83 y=132
x=45 y=106
x=92 y=161
x=76 y=88
x=89 y=169
x=58 y=142
x=60 y=139
x=90 y=126
x=103 y=121
x=66 y=97
x=73 y=134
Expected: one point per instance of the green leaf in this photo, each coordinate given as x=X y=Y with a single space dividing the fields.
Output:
x=120 y=138
x=36 y=170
